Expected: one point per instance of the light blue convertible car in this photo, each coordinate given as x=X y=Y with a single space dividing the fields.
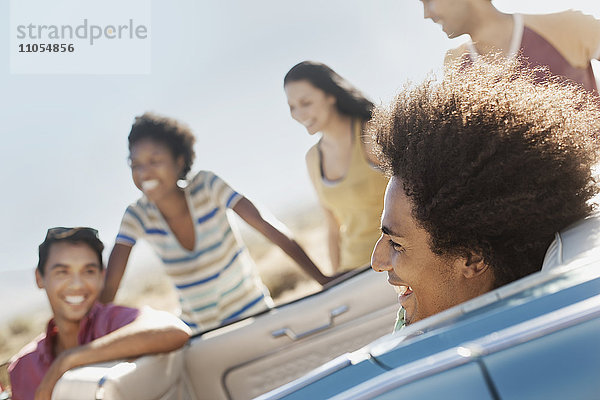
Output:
x=537 y=338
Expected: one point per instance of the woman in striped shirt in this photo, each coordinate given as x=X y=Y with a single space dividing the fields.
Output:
x=189 y=229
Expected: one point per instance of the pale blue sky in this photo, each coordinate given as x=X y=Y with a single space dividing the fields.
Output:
x=218 y=66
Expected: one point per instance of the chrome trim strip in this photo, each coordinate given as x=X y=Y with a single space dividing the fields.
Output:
x=543 y=325
x=324 y=370
x=413 y=371
x=297 y=336
x=560 y=247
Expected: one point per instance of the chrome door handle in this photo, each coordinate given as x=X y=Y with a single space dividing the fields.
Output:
x=296 y=336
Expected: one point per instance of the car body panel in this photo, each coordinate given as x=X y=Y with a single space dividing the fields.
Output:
x=546 y=365
x=519 y=303
x=266 y=372
x=321 y=389
x=463 y=382
x=505 y=351
x=247 y=359
x=125 y=379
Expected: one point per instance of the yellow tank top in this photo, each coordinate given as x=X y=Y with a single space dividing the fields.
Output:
x=356 y=201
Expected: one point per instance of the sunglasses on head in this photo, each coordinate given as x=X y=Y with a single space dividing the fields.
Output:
x=61 y=232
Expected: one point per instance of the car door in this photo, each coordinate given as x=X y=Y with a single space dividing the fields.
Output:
x=257 y=354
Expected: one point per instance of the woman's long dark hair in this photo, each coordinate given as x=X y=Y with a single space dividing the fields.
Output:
x=349 y=100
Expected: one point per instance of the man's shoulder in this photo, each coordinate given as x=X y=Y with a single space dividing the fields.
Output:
x=27 y=368
x=29 y=354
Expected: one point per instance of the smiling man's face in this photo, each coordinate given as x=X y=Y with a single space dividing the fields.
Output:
x=427 y=283
x=73 y=278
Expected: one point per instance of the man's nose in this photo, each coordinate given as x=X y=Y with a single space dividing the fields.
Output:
x=379 y=260
x=76 y=281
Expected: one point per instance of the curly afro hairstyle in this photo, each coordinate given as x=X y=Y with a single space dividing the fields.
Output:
x=493 y=163
x=173 y=134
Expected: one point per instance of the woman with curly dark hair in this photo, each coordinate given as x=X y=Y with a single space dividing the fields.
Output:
x=341 y=165
x=188 y=228
x=486 y=166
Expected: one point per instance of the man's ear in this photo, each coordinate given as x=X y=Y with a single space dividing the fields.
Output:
x=472 y=265
x=39 y=279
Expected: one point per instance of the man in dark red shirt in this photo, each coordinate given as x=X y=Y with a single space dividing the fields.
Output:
x=83 y=331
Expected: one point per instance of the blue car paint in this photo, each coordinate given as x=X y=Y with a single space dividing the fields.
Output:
x=547 y=369
x=464 y=382
x=323 y=389
x=561 y=291
x=507 y=312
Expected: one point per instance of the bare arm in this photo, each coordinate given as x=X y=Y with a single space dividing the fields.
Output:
x=333 y=236
x=117 y=262
x=249 y=213
x=151 y=332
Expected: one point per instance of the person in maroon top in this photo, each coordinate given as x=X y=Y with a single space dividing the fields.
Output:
x=83 y=331
x=564 y=42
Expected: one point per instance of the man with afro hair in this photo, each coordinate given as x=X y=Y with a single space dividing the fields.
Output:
x=486 y=167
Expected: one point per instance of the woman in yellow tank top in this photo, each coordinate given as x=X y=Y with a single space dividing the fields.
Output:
x=341 y=165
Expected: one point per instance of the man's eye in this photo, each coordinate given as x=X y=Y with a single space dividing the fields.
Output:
x=396 y=246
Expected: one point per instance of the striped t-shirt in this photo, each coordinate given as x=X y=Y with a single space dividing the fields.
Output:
x=216 y=281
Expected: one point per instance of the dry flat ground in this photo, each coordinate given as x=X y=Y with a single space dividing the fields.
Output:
x=280 y=274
